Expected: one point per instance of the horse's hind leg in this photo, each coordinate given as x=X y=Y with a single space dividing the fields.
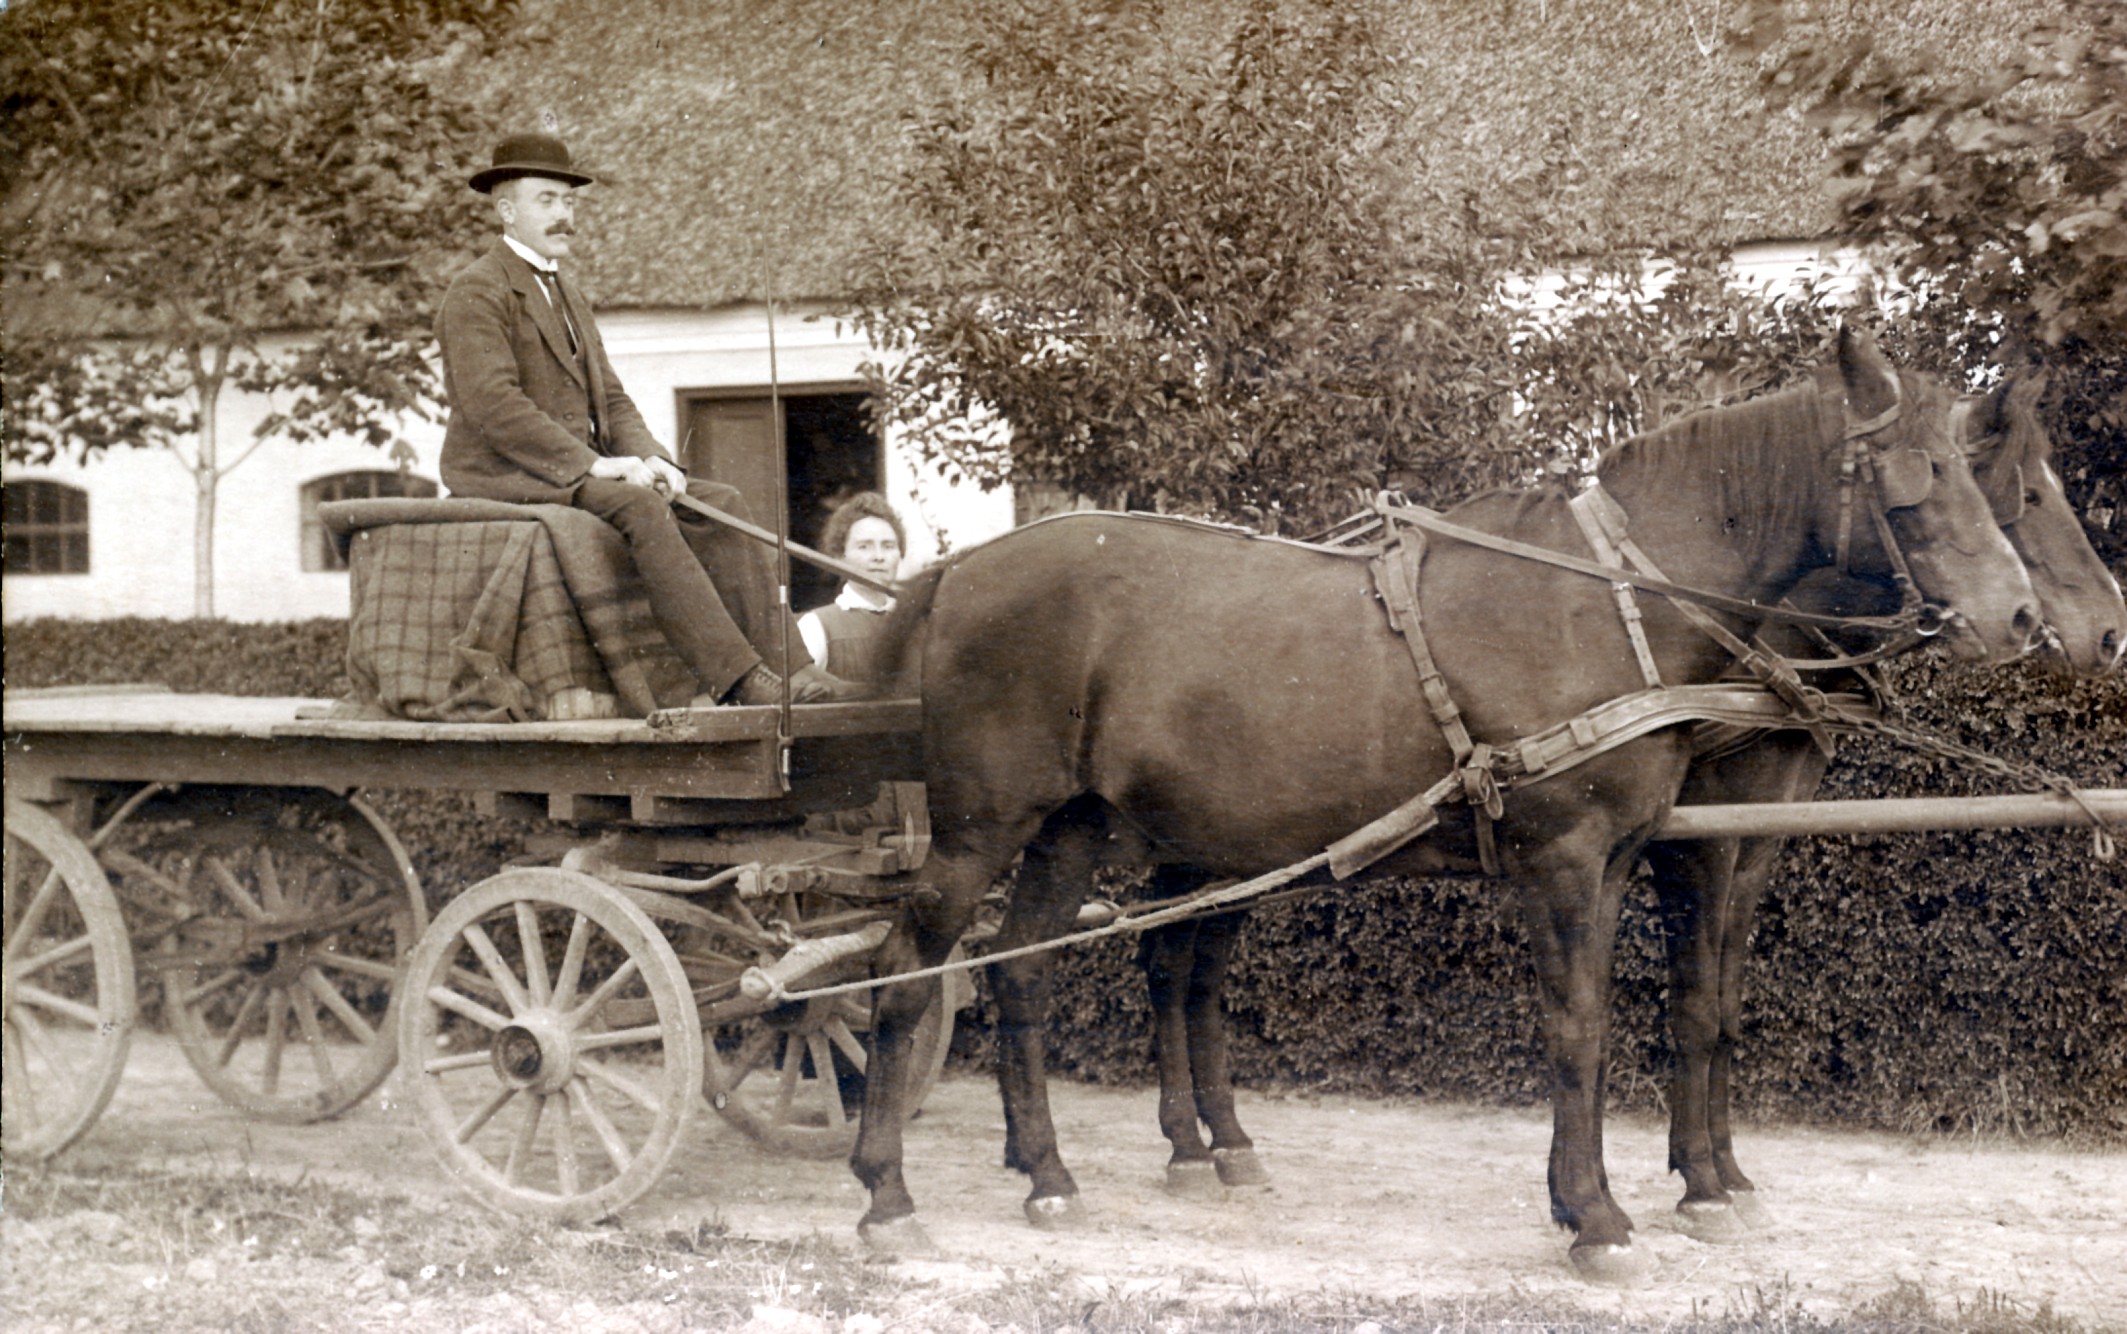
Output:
x=1053 y=881
x=1168 y=956
x=1232 y=1151
x=1694 y=880
x=1754 y=868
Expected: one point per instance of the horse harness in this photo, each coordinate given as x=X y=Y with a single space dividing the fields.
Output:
x=1772 y=693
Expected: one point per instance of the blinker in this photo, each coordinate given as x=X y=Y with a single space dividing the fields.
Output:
x=1904 y=477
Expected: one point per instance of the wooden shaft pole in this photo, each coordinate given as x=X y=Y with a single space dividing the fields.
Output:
x=798 y=549
x=1892 y=814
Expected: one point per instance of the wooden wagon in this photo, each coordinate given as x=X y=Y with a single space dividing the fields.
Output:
x=559 y=1022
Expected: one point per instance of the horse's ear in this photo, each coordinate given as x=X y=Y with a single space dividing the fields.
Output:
x=1871 y=382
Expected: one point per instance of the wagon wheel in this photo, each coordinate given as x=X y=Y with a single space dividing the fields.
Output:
x=67 y=1016
x=764 y=1070
x=554 y=1050
x=276 y=919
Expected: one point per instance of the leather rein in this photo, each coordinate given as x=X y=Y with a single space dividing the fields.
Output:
x=1477 y=776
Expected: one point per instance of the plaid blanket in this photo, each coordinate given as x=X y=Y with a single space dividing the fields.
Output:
x=478 y=611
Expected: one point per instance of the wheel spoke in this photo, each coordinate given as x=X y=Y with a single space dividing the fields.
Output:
x=485 y=1113
x=58 y=954
x=498 y=968
x=21 y=1082
x=845 y=1042
x=535 y=959
x=565 y=1147
x=522 y=1145
x=787 y=1086
x=269 y=879
x=824 y=1081
x=626 y=1086
x=27 y=995
x=755 y=1051
x=609 y=1138
x=606 y=991
x=305 y=1006
x=359 y=966
x=36 y=1041
x=619 y=1037
x=239 y=896
x=32 y=918
x=565 y=981
x=235 y=1037
x=468 y=1008
x=160 y=895
x=221 y=981
x=276 y=1038
x=329 y=995
x=464 y=1060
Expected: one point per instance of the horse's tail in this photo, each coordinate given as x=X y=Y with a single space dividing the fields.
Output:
x=900 y=645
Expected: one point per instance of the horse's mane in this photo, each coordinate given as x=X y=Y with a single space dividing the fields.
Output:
x=1755 y=461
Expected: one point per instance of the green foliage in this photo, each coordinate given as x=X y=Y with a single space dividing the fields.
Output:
x=1179 y=280
x=2001 y=200
x=186 y=180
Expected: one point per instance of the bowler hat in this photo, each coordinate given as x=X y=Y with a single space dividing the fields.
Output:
x=529 y=155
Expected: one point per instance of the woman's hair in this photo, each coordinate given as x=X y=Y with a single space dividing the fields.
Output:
x=863 y=505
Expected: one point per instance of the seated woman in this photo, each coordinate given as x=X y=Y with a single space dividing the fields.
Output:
x=865 y=532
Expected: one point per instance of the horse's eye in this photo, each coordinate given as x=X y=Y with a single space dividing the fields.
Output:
x=2031 y=498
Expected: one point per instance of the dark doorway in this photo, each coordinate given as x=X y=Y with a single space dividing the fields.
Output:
x=831 y=454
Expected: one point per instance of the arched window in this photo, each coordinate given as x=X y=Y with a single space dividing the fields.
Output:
x=319 y=553
x=47 y=528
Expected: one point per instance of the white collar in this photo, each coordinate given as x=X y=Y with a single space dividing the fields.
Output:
x=851 y=598
x=531 y=256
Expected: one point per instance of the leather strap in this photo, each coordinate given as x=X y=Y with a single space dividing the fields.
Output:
x=1597 y=515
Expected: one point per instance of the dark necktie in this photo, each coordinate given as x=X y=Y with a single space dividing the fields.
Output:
x=551 y=284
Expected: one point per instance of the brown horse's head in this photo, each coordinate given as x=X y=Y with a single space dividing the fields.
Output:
x=1909 y=496
x=2086 y=619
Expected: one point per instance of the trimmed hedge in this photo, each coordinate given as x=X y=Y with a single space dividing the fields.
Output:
x=1947 y=982
x=1940 y=981
x=452 y=845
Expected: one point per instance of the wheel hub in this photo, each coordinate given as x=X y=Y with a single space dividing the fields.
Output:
x=534 y=1053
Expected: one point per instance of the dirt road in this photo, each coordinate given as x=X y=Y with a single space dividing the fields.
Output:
x=1380 y=1198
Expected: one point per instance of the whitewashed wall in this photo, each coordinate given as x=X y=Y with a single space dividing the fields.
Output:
x=141 y=503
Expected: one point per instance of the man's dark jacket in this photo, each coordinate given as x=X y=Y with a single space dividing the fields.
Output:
x=520 y=424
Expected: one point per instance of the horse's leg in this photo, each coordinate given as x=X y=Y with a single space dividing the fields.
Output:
x=1694 y=879
x=1570 y=899
x=1167 y=955
x=1232 y=1151
x=1753 y=872
x=1054 y=879
x=922 y=940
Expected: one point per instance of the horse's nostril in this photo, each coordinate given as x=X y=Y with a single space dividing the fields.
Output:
x=2030 y=625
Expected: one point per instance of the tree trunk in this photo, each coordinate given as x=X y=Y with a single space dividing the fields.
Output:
x=205 y=477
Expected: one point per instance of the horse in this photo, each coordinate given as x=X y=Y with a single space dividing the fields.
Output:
x=1127 y=688
x=1709 y=889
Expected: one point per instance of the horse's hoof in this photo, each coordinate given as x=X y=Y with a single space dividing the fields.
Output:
x=1056 y=1213
x=1240 y=1167
x=1613 y=1266
x=902 y=1236
x=1715 y=1222
x=1194 y=1180
x=1751 y=1209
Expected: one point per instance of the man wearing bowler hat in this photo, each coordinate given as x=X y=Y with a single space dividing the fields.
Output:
x=537 y=416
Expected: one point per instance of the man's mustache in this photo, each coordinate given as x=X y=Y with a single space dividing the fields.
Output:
x=562 y=229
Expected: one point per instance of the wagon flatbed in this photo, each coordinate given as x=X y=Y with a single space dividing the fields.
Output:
x=678 y=766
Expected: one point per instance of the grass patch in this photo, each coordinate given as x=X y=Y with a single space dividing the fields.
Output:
x=148 y=1251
